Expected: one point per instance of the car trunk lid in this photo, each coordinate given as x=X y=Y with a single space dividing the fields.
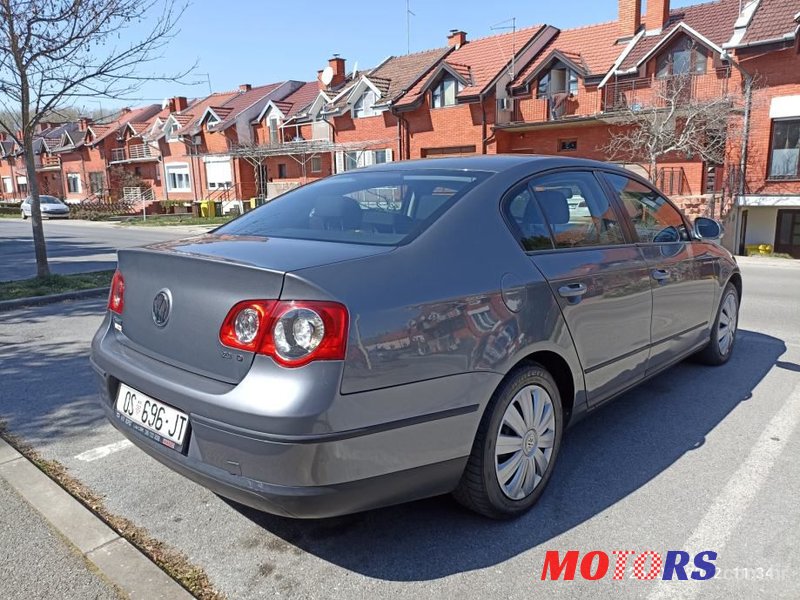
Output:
x=204 y=278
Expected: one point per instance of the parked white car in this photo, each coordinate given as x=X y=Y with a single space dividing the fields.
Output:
x=51 y=207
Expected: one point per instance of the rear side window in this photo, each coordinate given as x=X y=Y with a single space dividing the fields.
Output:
x=653 y=217
x=367 y=207
x=521 y=209
x=577 y=210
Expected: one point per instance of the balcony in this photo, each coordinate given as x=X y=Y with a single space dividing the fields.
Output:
x=553 y=107
x=654 y=92
x=48 y=163
x=136 y=152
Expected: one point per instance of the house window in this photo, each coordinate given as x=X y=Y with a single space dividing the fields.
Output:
x=380 y=157
x=178 y=179
x=350 y=161
x=560 y=79
x=320 y=130
x=73 y=183
x=281 y=170
x=570 y=145
x=785 y=150
x=316 y=164
x=363 y=106
x=444 y=94
x=8 y=185
x=22 y=184
x=211 y=121
x=683 y=58
x=97 y=182
x=273 y=131
x=218 y=173
x=172 y=129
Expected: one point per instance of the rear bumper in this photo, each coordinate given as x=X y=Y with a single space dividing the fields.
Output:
x=323 y=457
x=306 y=502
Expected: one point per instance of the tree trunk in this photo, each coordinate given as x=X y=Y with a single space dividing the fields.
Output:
x=39 y=245
x=653 y=171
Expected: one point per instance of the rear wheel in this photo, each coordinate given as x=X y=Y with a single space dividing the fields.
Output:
x=516 y=446
x=723 y=333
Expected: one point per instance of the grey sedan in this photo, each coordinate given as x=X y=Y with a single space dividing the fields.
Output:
x=408 y=330
x=50 y=206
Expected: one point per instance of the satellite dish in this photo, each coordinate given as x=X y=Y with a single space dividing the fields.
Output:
x=327 y=75
x=164 y=103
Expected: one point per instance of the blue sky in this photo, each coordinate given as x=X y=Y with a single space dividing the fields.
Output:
x=261 y=41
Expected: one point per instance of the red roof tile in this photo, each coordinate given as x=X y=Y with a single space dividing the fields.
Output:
x=300 y=98
x=593 y=47
x=773 y=19
x=712 y=20
x=398 y=73
x=484 y=57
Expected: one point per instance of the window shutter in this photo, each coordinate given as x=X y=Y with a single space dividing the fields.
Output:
x=340 y=162
x=366 y=158
x=388 y=155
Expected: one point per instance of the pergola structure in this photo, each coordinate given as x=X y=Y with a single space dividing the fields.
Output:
x=301 y=151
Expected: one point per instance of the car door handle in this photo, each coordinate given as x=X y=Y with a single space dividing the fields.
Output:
x=660 y=275
x=572 y=291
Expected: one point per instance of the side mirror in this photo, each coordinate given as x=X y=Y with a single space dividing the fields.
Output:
x=708 y=229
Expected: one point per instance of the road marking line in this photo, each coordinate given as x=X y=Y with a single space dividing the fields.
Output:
x=103 y=451
x=730 y=506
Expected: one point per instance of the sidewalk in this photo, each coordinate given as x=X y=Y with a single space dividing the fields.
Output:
x=36 y=562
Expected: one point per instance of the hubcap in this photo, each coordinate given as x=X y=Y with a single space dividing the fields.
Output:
x=726 y=328
x=525 y=442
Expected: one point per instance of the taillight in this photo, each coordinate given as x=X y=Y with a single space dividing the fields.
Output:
x=293 y=333
x=116 y=296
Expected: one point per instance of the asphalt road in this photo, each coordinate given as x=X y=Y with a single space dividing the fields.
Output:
x=697 y=459
x=75 y=246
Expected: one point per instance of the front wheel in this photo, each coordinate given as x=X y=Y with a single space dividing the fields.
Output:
x=516 y=446
x=24 y=217
x=723 y=333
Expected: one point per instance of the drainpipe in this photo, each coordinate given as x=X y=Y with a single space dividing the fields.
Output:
x=748 y=101
x=483 y=124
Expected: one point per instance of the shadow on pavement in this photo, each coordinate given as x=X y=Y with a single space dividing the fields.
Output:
x=64 y=254
x=605 y=457
x=47 y=388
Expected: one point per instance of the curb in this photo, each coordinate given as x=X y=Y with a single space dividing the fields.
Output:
x=115 y=557
x=52 y=298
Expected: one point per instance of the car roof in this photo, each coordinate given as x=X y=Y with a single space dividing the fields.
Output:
x=496 y=163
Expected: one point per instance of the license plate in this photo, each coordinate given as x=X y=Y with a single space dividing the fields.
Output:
x=154 y=419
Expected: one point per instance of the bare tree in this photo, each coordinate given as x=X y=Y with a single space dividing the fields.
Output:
x=56 y=53
x=672 y=118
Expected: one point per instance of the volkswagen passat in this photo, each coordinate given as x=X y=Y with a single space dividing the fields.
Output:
x=407 y=330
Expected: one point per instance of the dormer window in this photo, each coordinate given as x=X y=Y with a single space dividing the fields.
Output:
x=683 y=58
x=364 y=105
x=274 y=129
x=444 y=94
x=560 y=79
x=211 y=121
x=172 y=130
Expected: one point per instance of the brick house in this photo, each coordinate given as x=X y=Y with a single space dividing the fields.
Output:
x=453 y=108
x=86 y=154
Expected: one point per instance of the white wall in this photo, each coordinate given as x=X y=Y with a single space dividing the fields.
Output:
x=761 y=221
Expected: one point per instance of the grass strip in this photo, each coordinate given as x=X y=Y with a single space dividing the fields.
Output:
x=54 y=284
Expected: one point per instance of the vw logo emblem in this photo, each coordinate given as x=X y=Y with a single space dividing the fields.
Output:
x=162 y=306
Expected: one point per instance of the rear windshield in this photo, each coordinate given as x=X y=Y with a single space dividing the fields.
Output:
x=368 y=207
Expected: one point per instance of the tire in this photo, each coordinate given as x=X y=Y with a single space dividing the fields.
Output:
x=24 y=217
x=480 y=488
x=723 y=334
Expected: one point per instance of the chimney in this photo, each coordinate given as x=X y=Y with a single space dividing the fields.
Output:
x=337 y=64
x=630 y=17
x=125 y=110
x=245 y=87
x=456 y=38
x=83 y=123
x=177 y=104
x=321 y=85
x=657 y=14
